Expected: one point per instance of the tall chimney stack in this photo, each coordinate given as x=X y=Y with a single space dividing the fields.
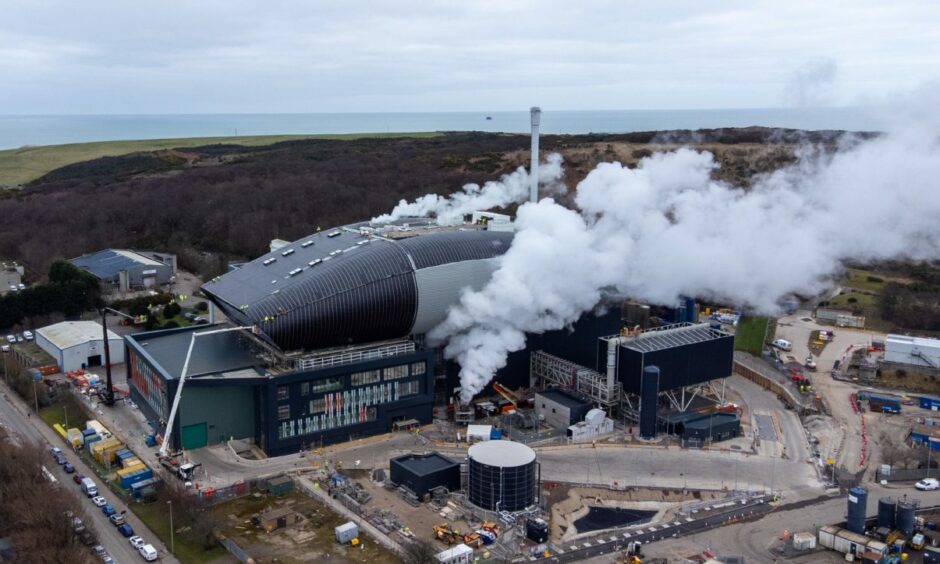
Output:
x=536 y=114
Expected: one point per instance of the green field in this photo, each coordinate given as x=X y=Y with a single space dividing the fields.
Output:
x=19 y=166
x=749 y=336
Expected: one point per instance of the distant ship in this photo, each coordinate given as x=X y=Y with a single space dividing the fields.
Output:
x=489 y=117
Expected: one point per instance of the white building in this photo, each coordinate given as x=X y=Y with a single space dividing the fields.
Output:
x=460 y=554
x=912 y=350
x=79 y=344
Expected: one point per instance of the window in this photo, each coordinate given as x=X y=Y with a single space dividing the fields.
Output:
x=283 y=412
x=283 y=393
x=318 y=405
x=418 y=368
x=396 y=372
x=363 y=378
x=409 y=388
x=305 y=388
x=326 y=385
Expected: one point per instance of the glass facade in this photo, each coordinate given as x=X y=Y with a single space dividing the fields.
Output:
x=148 y=383
x=365 y=378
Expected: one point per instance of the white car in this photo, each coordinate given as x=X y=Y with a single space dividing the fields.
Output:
x=928 y=484
x=5 y=348
x=28 y=335
x=136 y=542
x=148 y=552
x=99 y=501
x=11 y=339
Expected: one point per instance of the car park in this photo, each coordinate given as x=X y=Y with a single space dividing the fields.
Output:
x=928 y=484
x=126 y=530
x=108 y=510
x=117 y=519
x=99 y=501
x=148 y=552
x=136 y=541
x=68 y=468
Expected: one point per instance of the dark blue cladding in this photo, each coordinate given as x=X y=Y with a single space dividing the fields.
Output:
x=324 y=291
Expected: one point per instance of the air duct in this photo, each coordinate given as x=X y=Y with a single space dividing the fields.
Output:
x=536 y=114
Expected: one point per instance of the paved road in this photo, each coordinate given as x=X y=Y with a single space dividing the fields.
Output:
x=13 y=415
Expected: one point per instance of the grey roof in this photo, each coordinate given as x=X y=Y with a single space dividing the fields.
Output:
x=502 y=454
x=109 y=262
x=713 y=420
x=564 y=398
x=212 y=354
x=672 y=336
x=424 y=464
x=338 y=286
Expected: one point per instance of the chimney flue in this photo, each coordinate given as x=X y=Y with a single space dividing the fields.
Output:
x=536 y=114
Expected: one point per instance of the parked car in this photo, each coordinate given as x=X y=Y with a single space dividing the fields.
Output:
x=783 y=344
x=5 y=348
x=108 y=510
x=928 y=484
x=69 y=469
x=28 y=335
x=148 y=552
x=99 y=550
x=55 y=451
x=77 y=478
x=21 y=286
x=11 y=339
x=60 y=459
x=19 y=338
x=136 y=541
x=117 y=519
x=126 y=530
x=99 y=501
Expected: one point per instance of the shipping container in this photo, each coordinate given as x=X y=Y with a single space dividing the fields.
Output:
x=848 y=542
x=929 y=402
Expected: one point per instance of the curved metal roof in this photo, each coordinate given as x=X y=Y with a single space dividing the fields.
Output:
x=339 y=287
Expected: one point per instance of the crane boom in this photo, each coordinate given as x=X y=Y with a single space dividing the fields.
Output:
x=179 y=387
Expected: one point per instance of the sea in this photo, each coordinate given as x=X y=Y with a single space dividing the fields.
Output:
x=31 y=130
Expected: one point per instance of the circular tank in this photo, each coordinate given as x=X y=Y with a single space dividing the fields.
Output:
x=858 y=504
x=886 y=508
x=502 y=476
x=905 y=517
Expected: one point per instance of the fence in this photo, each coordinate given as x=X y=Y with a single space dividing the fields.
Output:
x=214 y=496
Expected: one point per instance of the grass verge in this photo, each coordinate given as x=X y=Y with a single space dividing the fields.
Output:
x=188 y=548
x=19 y=166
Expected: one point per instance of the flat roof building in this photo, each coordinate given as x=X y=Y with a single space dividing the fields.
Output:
x=560 y=409
x=421 y=473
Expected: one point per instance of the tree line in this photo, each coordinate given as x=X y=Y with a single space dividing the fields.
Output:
x=68 y=292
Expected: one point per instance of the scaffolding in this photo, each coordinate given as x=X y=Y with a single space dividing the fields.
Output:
x=548 y=370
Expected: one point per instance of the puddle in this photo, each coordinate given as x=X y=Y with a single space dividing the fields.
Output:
x=599 y=518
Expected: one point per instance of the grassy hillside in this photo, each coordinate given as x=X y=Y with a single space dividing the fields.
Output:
x=19 y=166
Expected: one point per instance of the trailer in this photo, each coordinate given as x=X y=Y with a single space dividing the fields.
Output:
x=847 y=542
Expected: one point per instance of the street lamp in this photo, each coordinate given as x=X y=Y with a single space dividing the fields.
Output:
x=172 y=544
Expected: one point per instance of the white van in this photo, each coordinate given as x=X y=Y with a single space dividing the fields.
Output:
x=89 y=488
x=148 y=552
x=783 y=344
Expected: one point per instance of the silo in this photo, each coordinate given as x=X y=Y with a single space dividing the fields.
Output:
x=858 y=506
x=502 y=476
x=886 y=509
x=905 y=517
x=649 y=396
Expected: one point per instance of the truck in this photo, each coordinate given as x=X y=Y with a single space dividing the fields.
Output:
x=89 y=488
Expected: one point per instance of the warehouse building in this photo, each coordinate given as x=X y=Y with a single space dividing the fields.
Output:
x=79 y=344
x=127 y=270
x=559 y=408
x=917 y=351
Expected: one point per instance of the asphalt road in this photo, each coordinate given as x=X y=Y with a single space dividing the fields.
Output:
x=13 y=416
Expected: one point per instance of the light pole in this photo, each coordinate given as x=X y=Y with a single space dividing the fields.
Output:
x=172 y=544
x=65 y=408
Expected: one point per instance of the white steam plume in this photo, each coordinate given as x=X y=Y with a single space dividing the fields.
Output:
x=510 y=189
x=667 y=229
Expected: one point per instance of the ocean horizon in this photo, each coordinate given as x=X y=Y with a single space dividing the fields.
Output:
x=35 y=130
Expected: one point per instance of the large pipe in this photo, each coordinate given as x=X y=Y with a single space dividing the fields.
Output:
x=536 y=114
x=612 y=344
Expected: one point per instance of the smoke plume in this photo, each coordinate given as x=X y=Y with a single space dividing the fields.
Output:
x=512 y=188
x=667 y=228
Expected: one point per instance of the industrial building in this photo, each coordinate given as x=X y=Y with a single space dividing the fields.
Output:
x=77 y=345
x=127 y=270
x=421 y=473
x=917 y=351
x=559 y=408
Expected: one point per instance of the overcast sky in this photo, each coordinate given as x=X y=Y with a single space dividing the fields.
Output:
x=117 y=56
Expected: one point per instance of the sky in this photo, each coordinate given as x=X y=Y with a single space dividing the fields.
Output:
x=233 y=56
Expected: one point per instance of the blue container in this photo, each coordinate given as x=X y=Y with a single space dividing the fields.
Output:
x=858 y=507
x=88 y=432
x=931 y=403
x=137 y=486
x=496 y=434
x=124 y=453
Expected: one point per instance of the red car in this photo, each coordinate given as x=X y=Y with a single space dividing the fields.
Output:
x=77 y=478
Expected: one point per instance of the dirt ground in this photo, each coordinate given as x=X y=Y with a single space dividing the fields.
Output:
x=310 y=540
